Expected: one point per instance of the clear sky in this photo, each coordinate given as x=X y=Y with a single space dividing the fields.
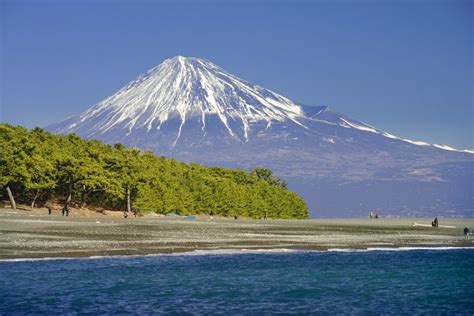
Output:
x=402 y=66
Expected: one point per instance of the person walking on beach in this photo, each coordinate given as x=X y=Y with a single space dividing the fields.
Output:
x=467 y=232
x=434 y=223
x=66 y=210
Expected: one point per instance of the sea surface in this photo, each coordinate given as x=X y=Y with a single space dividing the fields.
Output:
x=402 y=281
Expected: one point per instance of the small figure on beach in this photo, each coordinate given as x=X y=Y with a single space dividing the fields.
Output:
x=434 y=223
x=125 y=214
x=49 y=209
x=66 y=210
x=467 y=232
x=373 y=214
x=235 y=217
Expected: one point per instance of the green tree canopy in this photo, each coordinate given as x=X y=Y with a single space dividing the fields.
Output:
x=74 y=170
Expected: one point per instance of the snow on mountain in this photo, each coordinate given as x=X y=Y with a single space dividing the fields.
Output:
x=186 y=88
x=193 y=110
x=191 y=88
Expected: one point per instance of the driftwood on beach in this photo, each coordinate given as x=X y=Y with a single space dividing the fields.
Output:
x=429 y=225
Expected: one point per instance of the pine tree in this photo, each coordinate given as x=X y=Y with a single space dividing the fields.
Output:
x=40 y=165
x=13 y=160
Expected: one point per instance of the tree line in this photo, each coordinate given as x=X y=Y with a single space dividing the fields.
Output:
x=37 y=167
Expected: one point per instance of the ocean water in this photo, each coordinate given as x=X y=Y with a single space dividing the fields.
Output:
x=238 y=282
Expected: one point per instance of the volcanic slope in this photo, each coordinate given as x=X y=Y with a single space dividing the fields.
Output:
x=193 y=110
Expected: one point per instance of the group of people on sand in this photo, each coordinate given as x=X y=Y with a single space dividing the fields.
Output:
x=466 y=231
x=372 y=214
x=134 y=212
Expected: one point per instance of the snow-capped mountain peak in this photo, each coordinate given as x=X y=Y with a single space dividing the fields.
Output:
x=193 y=110
x=184 y=88
x=186 y=91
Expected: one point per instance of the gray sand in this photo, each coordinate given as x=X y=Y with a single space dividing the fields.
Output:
x=25 y=234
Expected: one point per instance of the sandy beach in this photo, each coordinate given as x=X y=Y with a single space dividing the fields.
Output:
x=34 y=234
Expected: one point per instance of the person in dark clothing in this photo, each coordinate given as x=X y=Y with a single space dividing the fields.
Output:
x=467 y=232
x=434 y=223
x=49 y=209
x=66 y=210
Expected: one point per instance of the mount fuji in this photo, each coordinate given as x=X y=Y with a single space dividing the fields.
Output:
x=193 y=110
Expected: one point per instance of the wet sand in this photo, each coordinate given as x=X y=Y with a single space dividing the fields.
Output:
x=26 y=234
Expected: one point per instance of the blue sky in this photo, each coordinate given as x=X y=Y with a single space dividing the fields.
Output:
x=402 y=66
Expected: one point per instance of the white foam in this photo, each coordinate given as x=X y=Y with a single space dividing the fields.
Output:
x=237 y=251
x=346 y=250
x=213 y=252
x=41 y=259
x=397 y=249
x=216 y=252
x=219 y=252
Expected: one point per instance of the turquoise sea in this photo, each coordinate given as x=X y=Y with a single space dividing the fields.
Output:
x=407 y=281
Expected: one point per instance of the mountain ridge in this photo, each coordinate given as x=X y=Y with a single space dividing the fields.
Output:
x=152 y=109
x=193 y=110
x=188 y=87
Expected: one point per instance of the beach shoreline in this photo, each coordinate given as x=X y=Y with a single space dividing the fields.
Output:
x=34 y=234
